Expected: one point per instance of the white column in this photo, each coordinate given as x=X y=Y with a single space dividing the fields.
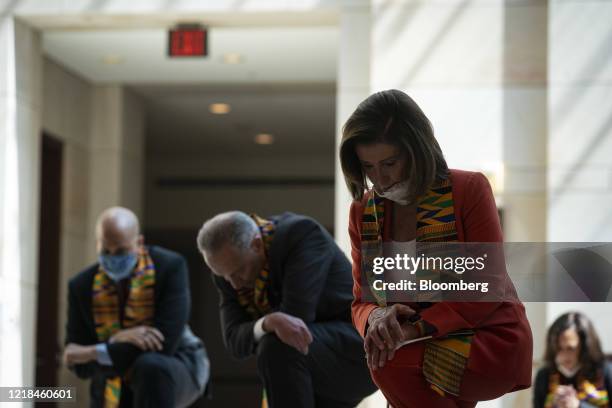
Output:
x=580 y=121
x=354 y=60
x=524 y=115
x=20 y=93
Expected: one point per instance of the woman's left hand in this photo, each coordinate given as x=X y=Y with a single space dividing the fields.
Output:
x=384 y=334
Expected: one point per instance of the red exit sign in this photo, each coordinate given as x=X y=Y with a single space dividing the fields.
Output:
x=188 y=41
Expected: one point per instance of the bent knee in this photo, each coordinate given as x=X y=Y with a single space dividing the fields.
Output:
x=273 y=351
x=150 y=366
x=388 y=376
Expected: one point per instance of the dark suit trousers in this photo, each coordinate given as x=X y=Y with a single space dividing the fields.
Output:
x=333 y=374
x=158 y=380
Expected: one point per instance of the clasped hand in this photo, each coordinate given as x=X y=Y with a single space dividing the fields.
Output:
x=145 y=338
x=386 y=332
x=565 y=397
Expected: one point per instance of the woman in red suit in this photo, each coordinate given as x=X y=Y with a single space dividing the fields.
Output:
x=389 y=142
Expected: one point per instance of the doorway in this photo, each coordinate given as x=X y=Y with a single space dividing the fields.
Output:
x=47 y=347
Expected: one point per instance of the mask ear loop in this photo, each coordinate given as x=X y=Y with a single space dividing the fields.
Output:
x=369 y=186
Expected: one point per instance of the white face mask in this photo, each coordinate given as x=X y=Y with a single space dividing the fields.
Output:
x=567 y=372
x=399 y=193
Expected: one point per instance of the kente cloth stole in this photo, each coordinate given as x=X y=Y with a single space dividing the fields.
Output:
x=594 y=394
x=255 y=300
x=445 y=359
x=139 y=310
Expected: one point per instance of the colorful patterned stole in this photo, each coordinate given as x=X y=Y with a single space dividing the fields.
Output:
x=255 y=300
x=445 y=359
x=594 y=394
x=139 y=310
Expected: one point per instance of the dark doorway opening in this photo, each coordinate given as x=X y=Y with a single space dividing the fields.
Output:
x=47 y=346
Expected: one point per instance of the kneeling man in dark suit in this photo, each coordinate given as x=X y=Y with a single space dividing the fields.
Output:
x=286 y=292
x=127 y=322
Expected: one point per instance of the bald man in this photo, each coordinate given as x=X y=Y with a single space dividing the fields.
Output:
x=127 y=322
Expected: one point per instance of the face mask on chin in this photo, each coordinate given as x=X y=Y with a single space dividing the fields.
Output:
x=118 y=267
x=399 y=193
x=567 y=372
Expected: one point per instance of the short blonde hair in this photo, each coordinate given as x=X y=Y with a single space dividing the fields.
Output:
x=392 y=117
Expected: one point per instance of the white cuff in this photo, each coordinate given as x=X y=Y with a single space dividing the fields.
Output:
x=102 y=355
x=258 y=331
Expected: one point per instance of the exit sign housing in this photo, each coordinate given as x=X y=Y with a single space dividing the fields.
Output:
x=188 y=41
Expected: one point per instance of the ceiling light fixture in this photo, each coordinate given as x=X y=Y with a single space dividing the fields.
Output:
x=232 y=58
x=264 y=139
x=219 y=108
x=112 y=59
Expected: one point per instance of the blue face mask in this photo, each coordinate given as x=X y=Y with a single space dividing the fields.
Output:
x=118 y=267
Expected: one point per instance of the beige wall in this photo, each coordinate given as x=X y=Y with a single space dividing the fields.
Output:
x=117 y=152
x=66 y=115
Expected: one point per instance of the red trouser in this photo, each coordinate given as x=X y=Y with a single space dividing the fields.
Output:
x=402 y=382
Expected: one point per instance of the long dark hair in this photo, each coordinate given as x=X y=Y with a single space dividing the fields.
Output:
x=392 y=117
x=590 y=357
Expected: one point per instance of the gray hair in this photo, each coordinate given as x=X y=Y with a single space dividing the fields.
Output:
x=234 y=227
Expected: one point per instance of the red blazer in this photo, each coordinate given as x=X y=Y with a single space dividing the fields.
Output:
x=503 y=344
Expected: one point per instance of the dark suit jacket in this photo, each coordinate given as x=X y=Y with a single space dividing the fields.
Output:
x=172 y=304
x=310 y=278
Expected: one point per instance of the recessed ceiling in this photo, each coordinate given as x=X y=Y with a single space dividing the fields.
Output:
x=268 y=54
x=283 y=85
x=300 y=117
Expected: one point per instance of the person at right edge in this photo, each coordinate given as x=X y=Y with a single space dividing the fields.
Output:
x=575 y=373
x=389 y=141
